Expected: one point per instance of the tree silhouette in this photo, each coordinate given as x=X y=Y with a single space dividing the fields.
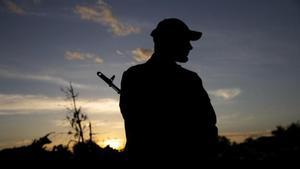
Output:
x=75 y=116
x=283 y=145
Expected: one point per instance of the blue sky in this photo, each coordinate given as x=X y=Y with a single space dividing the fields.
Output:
x=248 y=59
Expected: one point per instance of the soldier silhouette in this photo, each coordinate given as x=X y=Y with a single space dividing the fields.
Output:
x=167 y=112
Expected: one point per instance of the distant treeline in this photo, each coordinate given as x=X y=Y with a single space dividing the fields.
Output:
x=283 y=144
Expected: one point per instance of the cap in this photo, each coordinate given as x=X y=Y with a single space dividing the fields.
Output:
x=173 y=28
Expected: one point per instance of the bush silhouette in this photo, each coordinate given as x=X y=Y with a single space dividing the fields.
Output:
x=282 y=145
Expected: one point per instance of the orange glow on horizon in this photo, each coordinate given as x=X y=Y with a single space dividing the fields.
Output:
x=115 y=143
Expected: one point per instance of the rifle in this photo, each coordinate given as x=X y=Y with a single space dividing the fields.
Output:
x=109 y=81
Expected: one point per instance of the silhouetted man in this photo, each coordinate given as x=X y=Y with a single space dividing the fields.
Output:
x=167 y=112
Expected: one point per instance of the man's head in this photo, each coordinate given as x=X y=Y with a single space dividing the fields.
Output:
x=172 y=39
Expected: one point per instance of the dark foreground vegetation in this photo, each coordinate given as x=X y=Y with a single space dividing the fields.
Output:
x=283 y=145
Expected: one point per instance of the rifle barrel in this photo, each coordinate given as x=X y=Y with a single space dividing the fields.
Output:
x=109 y=82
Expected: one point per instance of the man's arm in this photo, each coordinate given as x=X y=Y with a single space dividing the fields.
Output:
x=210 y=115
x=124 y=95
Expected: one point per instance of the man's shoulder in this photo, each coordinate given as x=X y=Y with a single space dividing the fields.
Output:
x=187 y=72
x=137 y=67
x=144 y=68
x=135 y=70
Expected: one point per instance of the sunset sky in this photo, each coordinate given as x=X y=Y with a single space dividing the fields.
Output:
x=248 y=59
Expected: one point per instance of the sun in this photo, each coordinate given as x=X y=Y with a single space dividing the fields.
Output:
x=114 y=143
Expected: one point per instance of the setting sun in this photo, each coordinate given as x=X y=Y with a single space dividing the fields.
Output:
x=116 y=144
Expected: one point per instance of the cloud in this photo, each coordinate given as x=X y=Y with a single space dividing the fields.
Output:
x=103 y=14
x=119 y=53
x=141 y=54
x=95 y=124
x=11 y=104
x=24 y=104
x=102 y=106
x=75 y=55
x=61 y=123
x=98 y=60
x=225 y=94
x=13 y=7
x=38 y=77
